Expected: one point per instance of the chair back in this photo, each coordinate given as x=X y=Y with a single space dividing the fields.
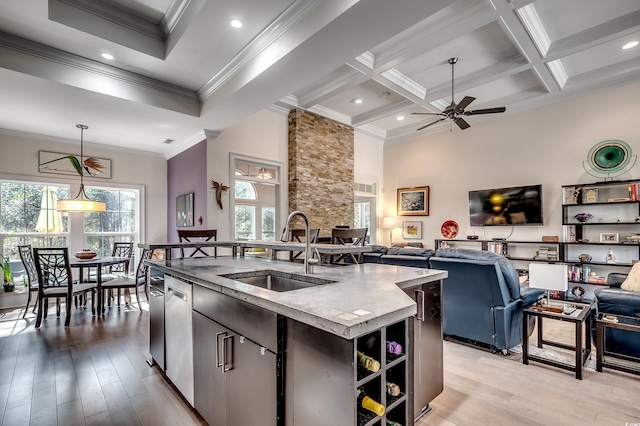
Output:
x=52 y=266
x=121 y=249
x=354 y=237
x=193 y=235
x=296 y=235
x=26 y=255
x=143 y=268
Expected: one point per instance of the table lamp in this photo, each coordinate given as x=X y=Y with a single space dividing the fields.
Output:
x=390 y=222
x=548 y=276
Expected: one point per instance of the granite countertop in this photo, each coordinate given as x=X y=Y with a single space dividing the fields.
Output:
x=274 y=245
x=363 y=297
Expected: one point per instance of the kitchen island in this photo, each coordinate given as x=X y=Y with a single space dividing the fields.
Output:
x=287 y=344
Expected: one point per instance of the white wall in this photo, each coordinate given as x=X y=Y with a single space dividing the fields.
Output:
x=368 y=168
x=262 y=136
x=19 y=159
x=543 y=146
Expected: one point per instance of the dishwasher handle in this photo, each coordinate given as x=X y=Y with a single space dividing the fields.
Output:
x=182 y=295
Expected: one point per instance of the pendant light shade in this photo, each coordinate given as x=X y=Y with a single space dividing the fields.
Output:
x=81 y=202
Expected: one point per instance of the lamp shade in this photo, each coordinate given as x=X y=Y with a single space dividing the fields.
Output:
x=79 y=205
x=390 y=222
x=548 y=276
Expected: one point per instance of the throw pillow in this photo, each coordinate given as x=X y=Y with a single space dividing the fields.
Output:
x=632 y=283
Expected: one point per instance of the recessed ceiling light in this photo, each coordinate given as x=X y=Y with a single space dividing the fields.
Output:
x=400 y=117
x=236 y=23
x=358 y=100
x=630 y=45
x=169 y=141
x=107 y=56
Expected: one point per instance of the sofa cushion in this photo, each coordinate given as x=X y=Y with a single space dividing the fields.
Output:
x=632 y=282
x=506 y=267
x=410 y=251
x=378 y=249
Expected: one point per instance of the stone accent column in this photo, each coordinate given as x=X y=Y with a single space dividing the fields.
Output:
x=321 y=170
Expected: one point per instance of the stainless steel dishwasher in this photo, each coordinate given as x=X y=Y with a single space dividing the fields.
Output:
x=179 y=335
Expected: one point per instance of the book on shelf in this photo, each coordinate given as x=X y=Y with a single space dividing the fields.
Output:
x=634 y=191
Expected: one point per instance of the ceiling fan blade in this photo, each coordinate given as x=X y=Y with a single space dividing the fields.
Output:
x=465 y=102
x=431 y=124
x=485 y=111
x=461 y=123
x=427 y=113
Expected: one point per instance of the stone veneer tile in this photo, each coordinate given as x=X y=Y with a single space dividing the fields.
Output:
x=321 y=170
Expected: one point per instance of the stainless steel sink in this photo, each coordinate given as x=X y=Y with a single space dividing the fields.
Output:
x=277 y=280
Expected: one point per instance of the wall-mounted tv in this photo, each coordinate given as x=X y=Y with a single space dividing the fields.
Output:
x=521 y=205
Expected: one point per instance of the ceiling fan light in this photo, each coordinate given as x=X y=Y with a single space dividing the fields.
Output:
x=630 y=45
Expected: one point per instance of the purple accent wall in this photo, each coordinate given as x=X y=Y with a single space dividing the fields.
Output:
x=186 y=173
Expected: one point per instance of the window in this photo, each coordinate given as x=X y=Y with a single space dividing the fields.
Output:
x=118 y=223
x=257 y=191
x=362 y=214
x=29 y=216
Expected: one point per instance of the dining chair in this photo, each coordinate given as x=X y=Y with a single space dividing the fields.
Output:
x=127 y=282
x=296 y=235
x=193 y=235
x=55 y=280
x=26 y=256
x=120 y=249
x=354 y=237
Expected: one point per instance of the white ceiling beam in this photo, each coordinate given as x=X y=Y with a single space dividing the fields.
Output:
x=612 y=74
x=42 y=61
x=520 y=37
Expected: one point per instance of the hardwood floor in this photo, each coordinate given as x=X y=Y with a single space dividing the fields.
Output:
x=94 y=372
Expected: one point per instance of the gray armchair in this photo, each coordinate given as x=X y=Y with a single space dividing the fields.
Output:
x=615 y=301
x=482 y=300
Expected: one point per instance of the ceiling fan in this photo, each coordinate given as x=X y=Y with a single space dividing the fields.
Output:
x=455 y=112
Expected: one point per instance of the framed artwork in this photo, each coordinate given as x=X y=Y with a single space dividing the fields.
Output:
x=184 y=210
x=609 y=237
x=60 y=164
x=411 y=230
x=413 y=201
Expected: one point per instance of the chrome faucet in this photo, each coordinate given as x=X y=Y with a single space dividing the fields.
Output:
x=309 y=261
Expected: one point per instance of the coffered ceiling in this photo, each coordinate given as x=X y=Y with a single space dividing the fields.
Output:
x=180 y=71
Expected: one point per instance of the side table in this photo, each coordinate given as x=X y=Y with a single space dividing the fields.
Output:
x=616 y=322
x=581 y=318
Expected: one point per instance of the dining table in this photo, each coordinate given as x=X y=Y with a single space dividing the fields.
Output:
x=99 y=263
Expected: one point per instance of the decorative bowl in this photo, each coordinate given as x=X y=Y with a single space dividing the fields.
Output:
x=584 y=258
x=86 y=254
x=583 y=217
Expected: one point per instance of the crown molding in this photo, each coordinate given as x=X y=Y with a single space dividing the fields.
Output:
x=179 y=147
x=173 y=16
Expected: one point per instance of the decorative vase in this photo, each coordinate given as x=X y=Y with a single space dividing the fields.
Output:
x=9 y=288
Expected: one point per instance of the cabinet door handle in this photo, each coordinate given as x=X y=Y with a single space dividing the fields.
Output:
x=420 y=303
x=222 y=333
x=224 y=354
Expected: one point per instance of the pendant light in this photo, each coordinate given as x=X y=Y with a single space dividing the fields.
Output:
x=81 y=202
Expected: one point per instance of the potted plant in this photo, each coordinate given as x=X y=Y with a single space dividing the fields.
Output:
x=6 y=270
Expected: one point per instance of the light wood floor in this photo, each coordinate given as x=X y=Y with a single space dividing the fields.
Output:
x=94 y=373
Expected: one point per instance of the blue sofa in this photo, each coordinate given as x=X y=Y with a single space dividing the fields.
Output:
x=482 y=300
x=616 y=301
x=407 y=256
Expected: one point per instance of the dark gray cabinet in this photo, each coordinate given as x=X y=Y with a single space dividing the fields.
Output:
x=235 y=380
x=426 y=360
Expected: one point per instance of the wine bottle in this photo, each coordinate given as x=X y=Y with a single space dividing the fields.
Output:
x=394 y=348
x=367 y=362
x=393 y=389
x=369 y=404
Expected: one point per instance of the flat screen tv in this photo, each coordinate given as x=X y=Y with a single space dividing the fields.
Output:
x=521 y=205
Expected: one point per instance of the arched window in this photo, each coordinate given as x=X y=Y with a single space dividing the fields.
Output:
x=245 y=190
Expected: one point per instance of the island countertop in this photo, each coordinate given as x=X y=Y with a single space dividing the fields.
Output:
x=363 y=298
